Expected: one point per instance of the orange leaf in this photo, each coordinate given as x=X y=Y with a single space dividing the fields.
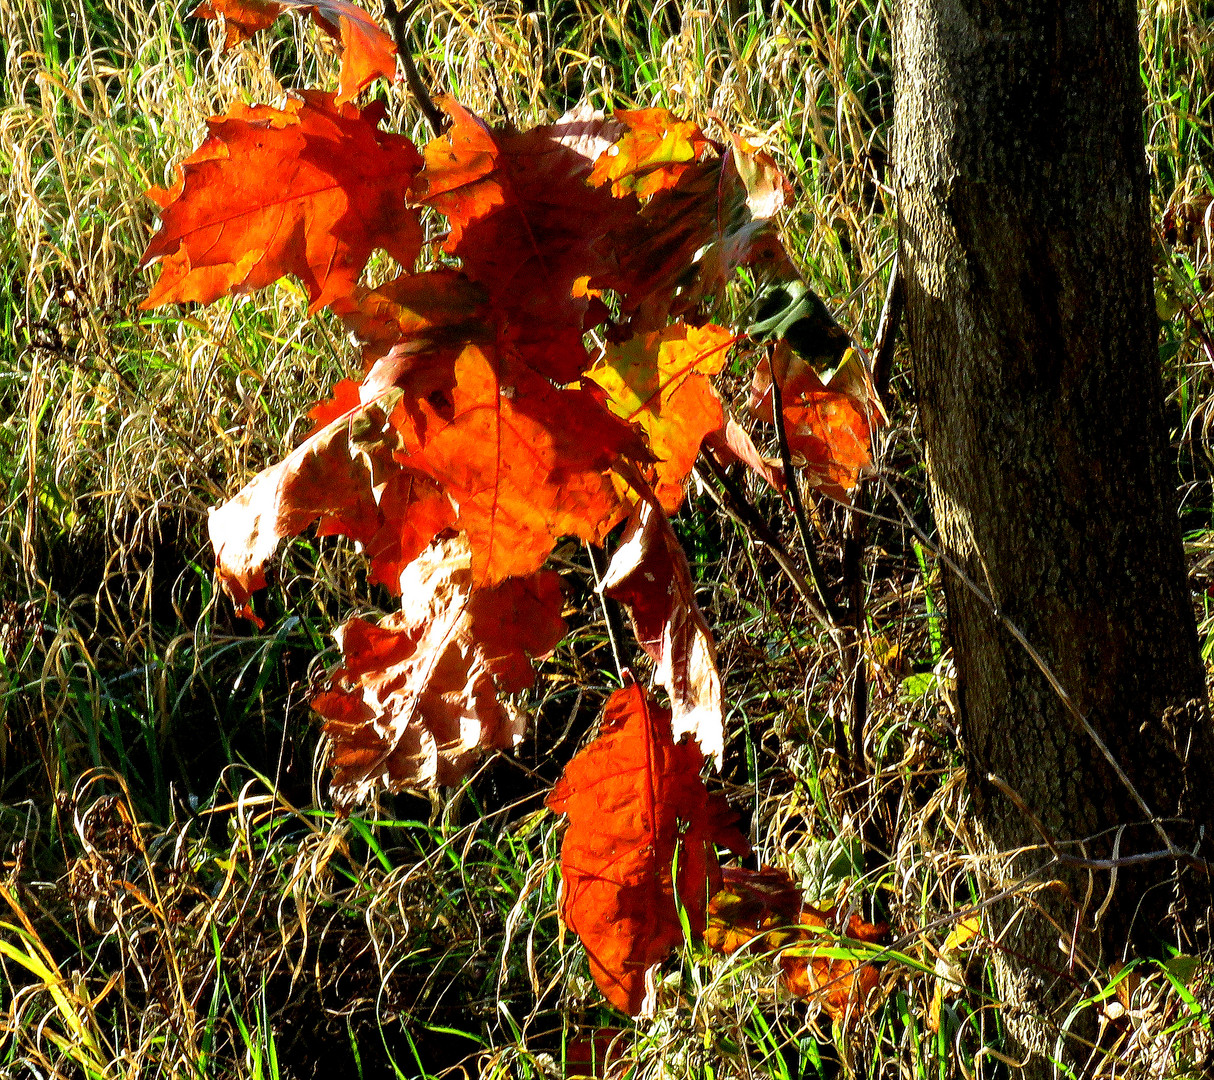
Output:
x=828 y=431
x=732 y=443
x=752 y=903
x=661 y=381
x=650 y=575
x=418 y=696
x=632 y=797
x=688 y=239
x=345 y=477
x=525 y=225
x=766 y=904
x=430 y=311
x=524 y=462
x=654 y=152
x=367 y=51
x=311 y=190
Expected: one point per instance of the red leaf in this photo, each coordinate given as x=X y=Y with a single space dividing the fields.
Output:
x=655 y=151
x=649 y=574
x=632 y=796
x=524 y=462
x=688 y=239
x=310 y=190
x=828 y=431
x=661 y=381
x=367 y=51
x=343 y=476
x=525 y=225
x=731 y=443
x=767 y=904
x=418 y=696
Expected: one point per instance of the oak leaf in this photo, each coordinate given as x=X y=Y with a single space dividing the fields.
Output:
x=634 y=796
x=649 y=575
x=419 y=694
x=343 y=476
x=688 y=239
x=525 y=224
x=310 y=189
x=655 y=150
x=816 y=964
x=828 y=430
x=367 y=51
x=524 y=462
x=661 y=380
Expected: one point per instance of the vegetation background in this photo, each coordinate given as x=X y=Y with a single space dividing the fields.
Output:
x=176 y=896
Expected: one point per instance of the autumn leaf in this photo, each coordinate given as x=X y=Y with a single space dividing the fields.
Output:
x=661 y=381
x=753 y=903
x=310 y=189
x=653 y=153
x=731 y=443
x=634 y=796
x=419 y=694
x=367 y=52
x=345 y=477
x=828 y=431
x=428 y=312
x=649 y=575
x=688 y=239
x=525 y=224
x=765 y=906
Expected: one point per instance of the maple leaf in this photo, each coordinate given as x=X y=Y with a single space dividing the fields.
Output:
x=661 y=381
x=310 y=189
x=828 y=430
x=649 y=575
x=343 y=476
x=653 y=153
x=418 y=696
x=688 y=239
x=367 y=51
x=525 y=225
x=765 y=906
x=632 y=797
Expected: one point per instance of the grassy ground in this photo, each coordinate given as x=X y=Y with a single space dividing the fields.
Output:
x=176 y=897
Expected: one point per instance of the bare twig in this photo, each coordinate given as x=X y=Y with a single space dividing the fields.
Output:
x=611 y=610
x=398 y=17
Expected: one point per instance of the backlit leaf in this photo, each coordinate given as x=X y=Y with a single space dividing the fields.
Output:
x=650 y=576
x=828 y=430
x=418 y=696
x=343 y=476
x=525 y=224
x=655 y=150
x=310 y=189
x=367 y=51
x=632 y=797
x=661 y=381
x=688 y=239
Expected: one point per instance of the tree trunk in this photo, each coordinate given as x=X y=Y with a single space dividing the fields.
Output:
x=1025 y=244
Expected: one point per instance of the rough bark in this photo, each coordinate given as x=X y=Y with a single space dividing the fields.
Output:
x=1025 y=244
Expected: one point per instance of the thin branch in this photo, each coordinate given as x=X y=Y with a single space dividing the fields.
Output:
x=398 y=17
x=611 y=610
x=738 y=507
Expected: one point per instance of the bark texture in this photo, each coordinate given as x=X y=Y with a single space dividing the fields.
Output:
x=1025 y=244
